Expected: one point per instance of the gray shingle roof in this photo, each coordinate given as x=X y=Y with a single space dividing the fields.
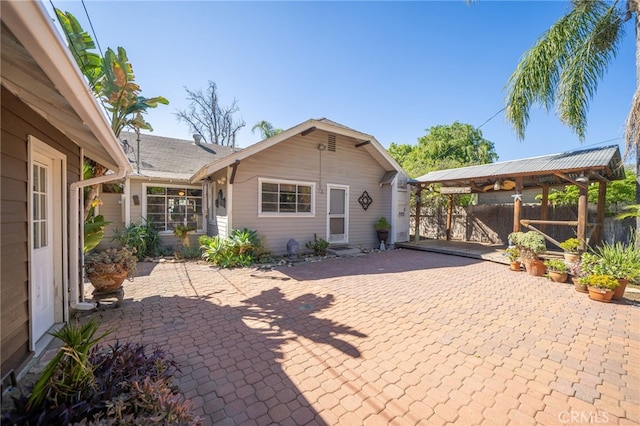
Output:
x=162 y=157
x=605 y=161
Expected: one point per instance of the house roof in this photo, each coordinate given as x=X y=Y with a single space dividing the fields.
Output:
x=596 y=163
x=369 y=143
x=38 y=68
x=169 y=158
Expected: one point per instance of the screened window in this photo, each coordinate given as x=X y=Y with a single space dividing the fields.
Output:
x=286 y=198
x=167 y=207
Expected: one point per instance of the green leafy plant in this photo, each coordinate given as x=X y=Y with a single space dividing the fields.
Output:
x=618 y=259
x=204 y=240
x=181 y=231
x=570 y=245
x=94 y=229
x=512 y=253
x=188 y=252
x=529 y=244
x=606 y=282
x=112 y=261
x=141 y=236
x=382 y=224
x=318 y=245
x=242 y=248
x=556 y=265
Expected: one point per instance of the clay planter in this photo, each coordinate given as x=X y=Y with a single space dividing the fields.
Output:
x=582 y=288
x=558 y=277
x=535 y=267
x=600 y=294
x=618 y=293
x=107 y=281
x=515 y=266
x=571 y=257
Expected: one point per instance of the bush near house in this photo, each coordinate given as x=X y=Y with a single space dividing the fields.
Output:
x=242 y=248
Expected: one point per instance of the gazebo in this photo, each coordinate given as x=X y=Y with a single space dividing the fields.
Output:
x=579 y=167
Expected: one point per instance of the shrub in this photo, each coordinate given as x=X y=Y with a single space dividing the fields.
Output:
x=122 y=384
x=188 y=252
x=242 y=248
x=606 y=282
x=141 y=236
x=529 y=244
x=570 y=245
x=556 y=265
x=318 y=245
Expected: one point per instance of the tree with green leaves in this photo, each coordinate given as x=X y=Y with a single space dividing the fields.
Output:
x=266 y=129
x=563 y=68
x=111 y=79
x=444 y=147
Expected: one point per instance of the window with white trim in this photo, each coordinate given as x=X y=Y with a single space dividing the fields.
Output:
x=169 y=206
x=286 y=198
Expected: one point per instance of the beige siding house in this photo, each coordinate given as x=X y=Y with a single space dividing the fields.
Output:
x=159 y=189
x=319 y=177
x=49 y=120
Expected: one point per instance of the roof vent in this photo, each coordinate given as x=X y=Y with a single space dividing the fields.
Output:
x=331 y=143
x=197 y=138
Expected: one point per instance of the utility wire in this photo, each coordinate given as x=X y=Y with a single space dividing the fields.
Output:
x=95 y=36
x=491 y=118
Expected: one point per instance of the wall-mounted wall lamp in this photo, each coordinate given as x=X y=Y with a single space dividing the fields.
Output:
x=321 y=147
x=136 y=200
x=497 y=186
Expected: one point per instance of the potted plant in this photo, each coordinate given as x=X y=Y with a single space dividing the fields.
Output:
x=601 y=287
x=577 y=275
x=382 y=226
x=620 y=260
x=512 y=253
x=108 y=269
x=571 y=247
x=182 y=232
x=557 y=270
x=530 y=245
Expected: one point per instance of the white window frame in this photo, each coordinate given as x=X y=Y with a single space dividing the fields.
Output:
x=312 y=185
x=170 y=185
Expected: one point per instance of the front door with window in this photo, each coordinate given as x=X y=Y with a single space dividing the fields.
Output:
x=42 y=254
x=338 y=214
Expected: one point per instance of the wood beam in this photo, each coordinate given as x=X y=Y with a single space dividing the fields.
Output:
x=416 y=235
x=567 y=178
x=602 y=194
x=449 y=216
x=309 y=130
x=358 y=145
x=582 y=217
x=517 y=206
x=234 y=168
x=544 y=206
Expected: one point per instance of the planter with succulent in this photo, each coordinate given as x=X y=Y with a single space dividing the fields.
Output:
x=557 y=270
x=571 y=247
x=182 y=232
x=601 y=287
x=577 y=276
x=382 y=227
x=620 y=260
x=512 y=253
x=108 y=269
x=530 y=245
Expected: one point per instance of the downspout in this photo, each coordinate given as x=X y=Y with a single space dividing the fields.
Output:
x=76 y=252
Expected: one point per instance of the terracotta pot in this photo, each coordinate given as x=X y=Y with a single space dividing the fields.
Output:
x=618 y=293
x=600 y=294
x=535 y=267
x=107 y=281
x=558 y=277
x=582 y=288
x=571 y=257
x=515 y=266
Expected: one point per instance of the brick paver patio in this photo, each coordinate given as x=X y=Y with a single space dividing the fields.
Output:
x=401 y=337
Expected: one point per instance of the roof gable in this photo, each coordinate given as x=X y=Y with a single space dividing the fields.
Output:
x=365 y=141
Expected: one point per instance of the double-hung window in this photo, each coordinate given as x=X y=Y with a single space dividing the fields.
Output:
x=169 y=206
x=286 y=198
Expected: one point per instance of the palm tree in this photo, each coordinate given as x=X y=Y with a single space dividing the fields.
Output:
x=266 y=129
x=563 y=68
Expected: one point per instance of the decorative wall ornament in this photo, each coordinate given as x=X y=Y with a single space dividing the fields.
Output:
x=365 y=200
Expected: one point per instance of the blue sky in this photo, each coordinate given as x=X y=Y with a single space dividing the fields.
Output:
x=390 y=69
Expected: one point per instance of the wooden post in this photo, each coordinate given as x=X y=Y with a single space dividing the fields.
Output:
x=449 y=214
x=582 y=216
x=602 y=194
x=416 y=235
x=544 y=206
x=517 y=206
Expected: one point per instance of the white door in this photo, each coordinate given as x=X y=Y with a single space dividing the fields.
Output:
x=42 y=255
x=338 y=217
